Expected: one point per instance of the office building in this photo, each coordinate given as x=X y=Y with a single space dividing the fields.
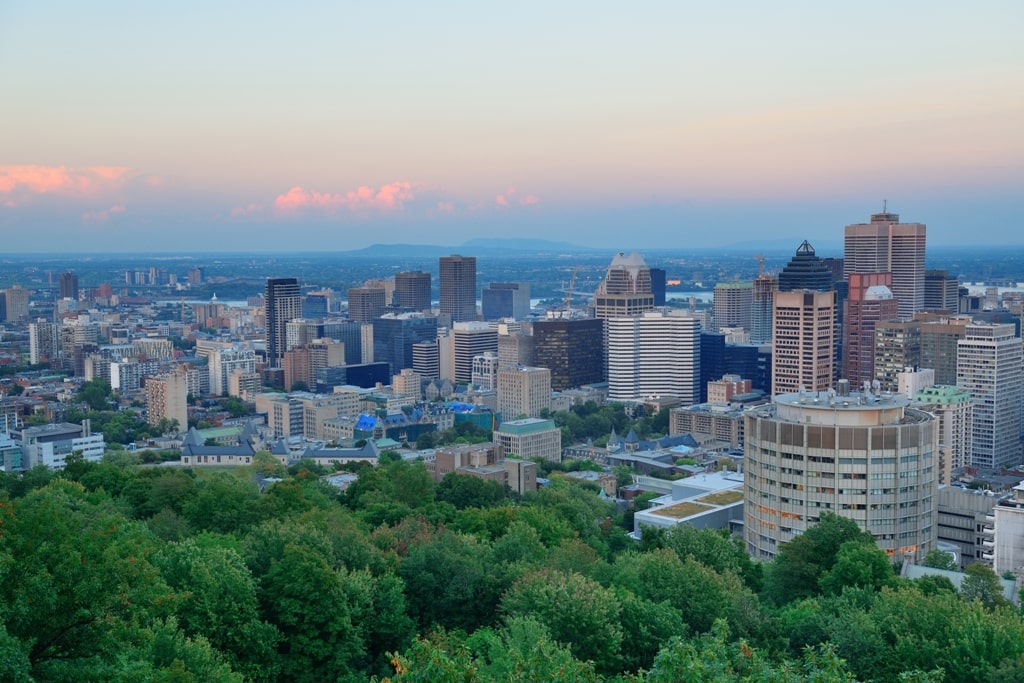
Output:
x=869 y=302
x=68 y=284
x=965 y=517
x=940 y=336
x=505 y=300
x=282 y=302
x=654 y=355
x=457 y=282
x=224 y=361
x=867 y=457
x=887 y=246
x=529 y=438
x=954 y=411
x=408 y=383
x=167 y=398
x=412 y=291
x=394 y=335
x=733 y=302
x=470 y=339
x=514 y=348
x=762 y=298
x=659 y=282
x=51 y=444
x=365 y=304
x=626 y=288
x=426 y=359
x=803 y=325
x=897 y=346
x=571 y=348
x=523 y=391
x=356 y=337
x=990 y=366
x=485 y=371
x=941 y=292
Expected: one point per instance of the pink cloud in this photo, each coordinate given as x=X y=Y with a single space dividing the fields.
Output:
x=530 y=200
x=87 y=180
x=509 y=197
x=388 y=197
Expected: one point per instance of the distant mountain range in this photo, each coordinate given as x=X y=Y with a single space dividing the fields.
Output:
x=480 y=245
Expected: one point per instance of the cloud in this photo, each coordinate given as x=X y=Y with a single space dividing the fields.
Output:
x=392 y=196
x=62 y=180
x=103 y=215
x=509 y=197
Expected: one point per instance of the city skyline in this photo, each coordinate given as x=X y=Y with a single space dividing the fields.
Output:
x=135 y=127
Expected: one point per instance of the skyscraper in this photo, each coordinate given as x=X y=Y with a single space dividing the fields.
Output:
x=626 y=288
x=68 y=286
x=733 y=302
x=886 y=245
x=869 y=302
x=990 y=366
x=505 y=300
x=763 y=295
x=412 y=291
x=523 y=391
x=941 y=291
x=803 y=325
x=457 y=280
x=571 y=349
x=282 y=302
x=365 y=303
x=654 y=355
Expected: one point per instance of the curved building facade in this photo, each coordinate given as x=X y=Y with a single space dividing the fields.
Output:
x=868 y=457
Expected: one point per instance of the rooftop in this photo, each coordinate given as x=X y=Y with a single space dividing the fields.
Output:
x=529 y=425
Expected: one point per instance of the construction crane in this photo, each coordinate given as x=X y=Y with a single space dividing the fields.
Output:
x=760 y=265
x=568 y=294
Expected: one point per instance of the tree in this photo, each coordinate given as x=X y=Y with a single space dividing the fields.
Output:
x=797 y=570
x=575 y=610
x=237 y=407
x=220 y=604
x=938 y=559
x=464 y=491
x=96 y=393
x=858 y=564
x=982 y=584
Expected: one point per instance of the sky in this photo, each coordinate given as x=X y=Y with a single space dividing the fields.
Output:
x=271 y=126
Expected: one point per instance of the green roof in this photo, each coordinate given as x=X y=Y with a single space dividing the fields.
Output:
x=530 y=425
x=219 y=432
x=942 y=395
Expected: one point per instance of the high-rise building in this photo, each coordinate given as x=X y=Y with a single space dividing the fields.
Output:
x=869 y=302
x=803 y=325
x=733 y=302
x=514 y=348
x=223 y=361
x=571 y=348
x=68 y=286
x=469 y=339
x=505 y=300
x=805 y=271
x=940 y=336
x=886 y=245
x=523 y=391
x=457 y=282
x=44 y=343
x=654 y=355
x=485 y=371
x=897 y=346
x=17 y=302
x=885 y=480
x=941 y=292
x=167 y=398
x=990 y=366
x=626 y=288
x=357 y=338
x=283 y=302
x=412 y=291
x=762 y=297
x=659 y=282
x=365 y=303
x=394 y=336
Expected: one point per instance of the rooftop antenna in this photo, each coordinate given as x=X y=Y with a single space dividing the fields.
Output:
x=760 y=265
x=885 y=204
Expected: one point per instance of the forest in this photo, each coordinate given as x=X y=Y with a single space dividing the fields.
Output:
x=115 y=571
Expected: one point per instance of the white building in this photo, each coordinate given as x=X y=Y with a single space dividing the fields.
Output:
x=990 y=365
x=51 y=444
x=655 y=355
x=1008 y=515
x=529 y=438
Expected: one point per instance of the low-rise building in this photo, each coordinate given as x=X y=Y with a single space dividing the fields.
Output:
x=530 y=438
x=51 y=444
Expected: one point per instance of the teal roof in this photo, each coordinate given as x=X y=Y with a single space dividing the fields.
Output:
x=942 y=395
x=530 y=425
